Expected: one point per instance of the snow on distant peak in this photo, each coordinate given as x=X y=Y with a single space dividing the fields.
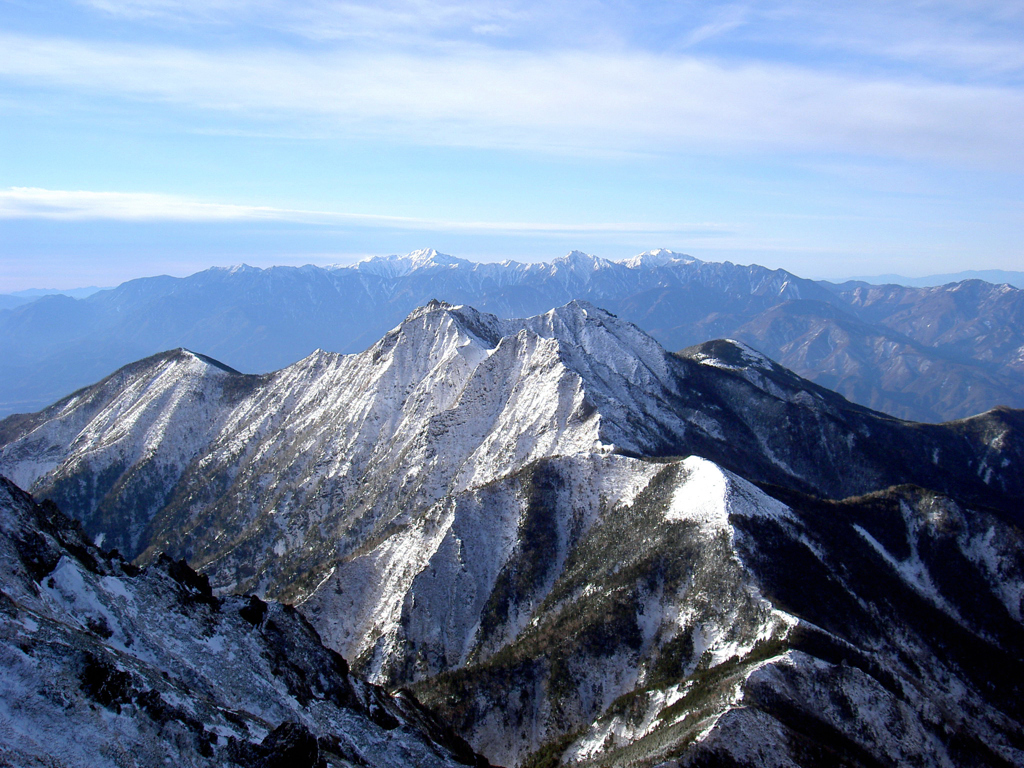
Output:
x=234 y=269
x=732 y=355
x=581 y=260
x=428 y=257
x=399 y=266
x=575 y=261
x=660 y=257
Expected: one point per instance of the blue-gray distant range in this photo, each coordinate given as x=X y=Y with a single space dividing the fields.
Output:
x=1016 y=279
x=926 y=354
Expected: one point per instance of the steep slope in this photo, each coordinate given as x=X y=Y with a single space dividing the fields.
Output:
x=254 y=319
x=970 y=319
x=260 y=320
x=880 y=367
x=243 y=473
x=136 y=430
x=106 y=665
x=7 y=301
x=695 y=618
x=494 y=511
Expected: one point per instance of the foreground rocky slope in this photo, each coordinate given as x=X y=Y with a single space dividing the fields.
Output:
x=496 y=513
x=104 y=664
x=924 y=353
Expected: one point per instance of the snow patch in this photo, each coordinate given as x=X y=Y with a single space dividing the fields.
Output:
x=708 y=495
x=702 y=496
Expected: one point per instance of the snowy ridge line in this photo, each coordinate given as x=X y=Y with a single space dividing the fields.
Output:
x=449 y=400
x=854 y=335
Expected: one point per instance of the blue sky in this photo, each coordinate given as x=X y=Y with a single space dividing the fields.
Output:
x=164 y=136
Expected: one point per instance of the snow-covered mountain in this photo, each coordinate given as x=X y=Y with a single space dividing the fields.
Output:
x=923 y=353
x=452 y=399
x=496 y=512
x=689 y=617
x=104 y=664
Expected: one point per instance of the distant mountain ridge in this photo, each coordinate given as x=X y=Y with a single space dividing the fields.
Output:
x=925 y=354
x=997 y=276
x=17 y=298
x=578 y=546
x=75 y=293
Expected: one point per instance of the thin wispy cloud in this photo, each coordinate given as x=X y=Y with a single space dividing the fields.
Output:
x=182 y=10
x=723 y=21
x=537 y=100
x=976 y=37
x=81 y=205
x=938 y=40
x=459 y=115
x=85 y=205
x=391 y=22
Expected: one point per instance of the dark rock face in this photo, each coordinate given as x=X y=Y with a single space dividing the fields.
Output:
x=290 y=745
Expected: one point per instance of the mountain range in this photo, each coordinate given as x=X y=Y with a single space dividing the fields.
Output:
x=578 y=547
x=1016 y=279
x=927 y=354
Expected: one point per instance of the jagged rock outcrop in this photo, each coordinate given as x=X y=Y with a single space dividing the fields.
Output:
x=104 y=664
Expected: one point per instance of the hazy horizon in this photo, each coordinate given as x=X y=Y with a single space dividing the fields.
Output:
x=166 y=136
x=81 y=291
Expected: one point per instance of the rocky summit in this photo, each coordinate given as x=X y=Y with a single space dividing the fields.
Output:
x=578 y=547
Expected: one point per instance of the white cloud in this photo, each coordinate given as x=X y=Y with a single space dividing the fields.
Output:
x=85 y=205
x=382 y=20
x=948 y=39
x=565 y=101
x=79 y=205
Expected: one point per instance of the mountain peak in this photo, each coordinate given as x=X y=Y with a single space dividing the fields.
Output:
x=434 y=305
x=435 y=314
x=659 y=257
x=579 y=309
x=236 y=269
x=188 y=354
x=729 y=354
x=399 y=266
x=581 y=260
